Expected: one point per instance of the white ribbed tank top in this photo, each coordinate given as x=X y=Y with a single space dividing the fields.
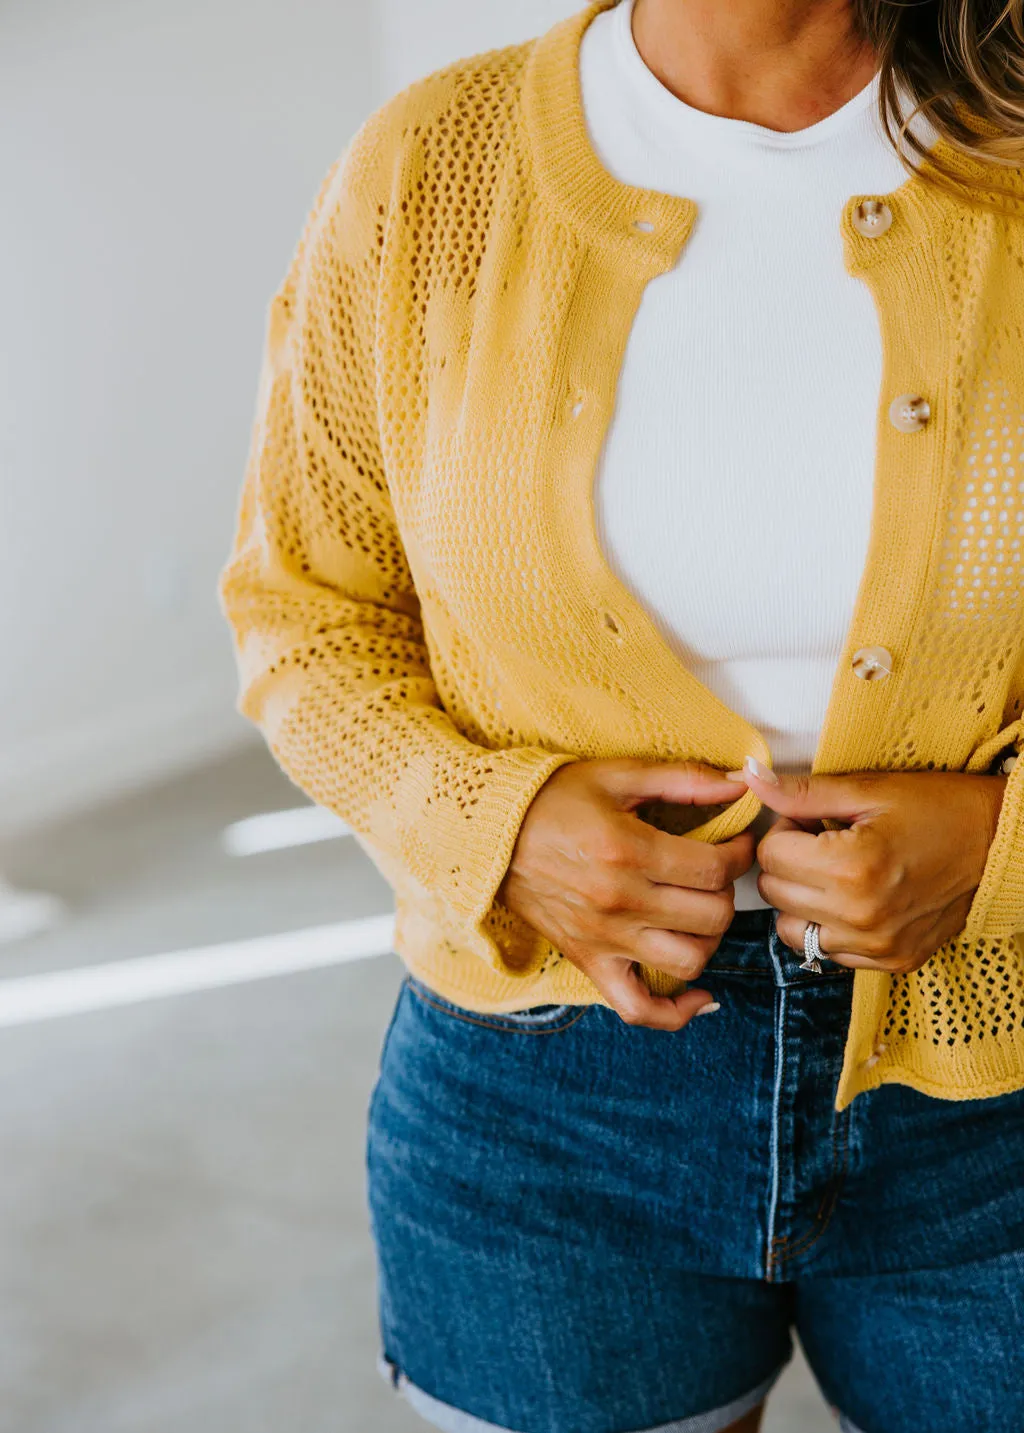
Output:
x=746 y=406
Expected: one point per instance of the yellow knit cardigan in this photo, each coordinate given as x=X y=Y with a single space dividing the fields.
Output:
x=426 y=626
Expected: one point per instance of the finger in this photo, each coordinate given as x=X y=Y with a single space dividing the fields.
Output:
x=802 y=906
x=676 y=952
x=632 y=781
x=697 y=865
x=790 y=823
x=698 y=913
x=804 y=903
x=620 y=983
x=796 y=855
x=790 y=930
x=858 y=962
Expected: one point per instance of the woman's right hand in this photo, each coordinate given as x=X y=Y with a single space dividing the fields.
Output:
x=607 y=889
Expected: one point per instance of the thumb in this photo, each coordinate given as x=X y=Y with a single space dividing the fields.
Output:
x=804 y=797
x=631 y=782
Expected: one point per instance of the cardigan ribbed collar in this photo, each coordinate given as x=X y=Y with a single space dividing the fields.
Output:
x=606 y=211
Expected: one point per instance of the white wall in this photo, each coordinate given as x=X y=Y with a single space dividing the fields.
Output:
x=419 y=36
x=157 y=159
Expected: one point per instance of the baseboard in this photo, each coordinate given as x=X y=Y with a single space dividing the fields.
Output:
x=43 y=780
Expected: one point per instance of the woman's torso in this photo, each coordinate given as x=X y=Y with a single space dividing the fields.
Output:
x=758 y=361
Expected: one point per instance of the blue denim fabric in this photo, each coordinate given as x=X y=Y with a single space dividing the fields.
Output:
x=588 y=1227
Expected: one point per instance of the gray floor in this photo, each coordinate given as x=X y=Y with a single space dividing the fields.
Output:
x=184 y=1238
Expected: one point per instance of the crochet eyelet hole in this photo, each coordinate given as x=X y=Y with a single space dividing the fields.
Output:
x=644 y=225
x=612 y=624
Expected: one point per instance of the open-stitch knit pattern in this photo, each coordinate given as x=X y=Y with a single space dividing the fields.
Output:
x=425 y=632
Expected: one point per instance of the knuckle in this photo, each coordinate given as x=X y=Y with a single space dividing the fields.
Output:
x=689 y=965
x=692 y=969
x=861 y=913
x=712 y=871
x=670 y=952
x=847 y=881
x=609 y=837
x=872 y=873
x=609 y=849
x=722 y=917
x=860 y=896
x=877 y=945
x=848 y=872
x=607 y=894
x=590 y=926
x=860 y=876
x=803 y=787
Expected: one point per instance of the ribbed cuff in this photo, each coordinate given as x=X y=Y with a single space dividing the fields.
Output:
x=997 y=910
x=498 y=817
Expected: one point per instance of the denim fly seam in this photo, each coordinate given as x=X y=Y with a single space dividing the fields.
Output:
x=802 y=1070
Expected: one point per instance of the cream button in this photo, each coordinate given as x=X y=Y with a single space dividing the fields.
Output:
x=1007 y=765
x=871 y=662
x=871 y=218
x=909 y=412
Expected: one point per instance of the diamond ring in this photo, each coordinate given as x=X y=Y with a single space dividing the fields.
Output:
x=813 y=953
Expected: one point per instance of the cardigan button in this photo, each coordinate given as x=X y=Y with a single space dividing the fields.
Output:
x=871 y=217
x=909 y=412
x=870 y=663
x=1007 y=765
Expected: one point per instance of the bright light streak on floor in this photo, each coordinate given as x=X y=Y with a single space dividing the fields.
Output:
x=278 y=830
x=27 y=999
x=25 y=913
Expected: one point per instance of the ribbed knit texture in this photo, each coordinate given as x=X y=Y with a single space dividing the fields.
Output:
x=426 y=625
x=758 y=360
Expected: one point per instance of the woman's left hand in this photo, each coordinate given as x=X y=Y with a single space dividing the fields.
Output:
x=897 y=883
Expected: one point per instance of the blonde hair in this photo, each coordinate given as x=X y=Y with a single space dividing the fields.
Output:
x=962 y=62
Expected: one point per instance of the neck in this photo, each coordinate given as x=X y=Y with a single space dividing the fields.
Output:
x=784 y=64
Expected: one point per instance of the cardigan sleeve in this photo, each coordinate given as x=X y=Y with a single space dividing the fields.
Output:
x=997 y=908
x=333 y=663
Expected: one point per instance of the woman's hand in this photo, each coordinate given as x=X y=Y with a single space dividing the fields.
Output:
x=893 y=886
x=608 y=889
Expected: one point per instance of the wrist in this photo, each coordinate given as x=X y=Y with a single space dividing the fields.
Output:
x=995 y=784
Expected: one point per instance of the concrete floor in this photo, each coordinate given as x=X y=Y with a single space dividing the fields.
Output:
x=185 y=1245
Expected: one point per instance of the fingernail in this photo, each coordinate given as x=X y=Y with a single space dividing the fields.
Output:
x=709 y=1009
x=757 y=769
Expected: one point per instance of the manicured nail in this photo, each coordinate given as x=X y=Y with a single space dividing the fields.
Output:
x=757 y=769
x=709 y=1009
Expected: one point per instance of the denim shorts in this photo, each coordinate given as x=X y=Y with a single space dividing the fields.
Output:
x=583 y=1226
